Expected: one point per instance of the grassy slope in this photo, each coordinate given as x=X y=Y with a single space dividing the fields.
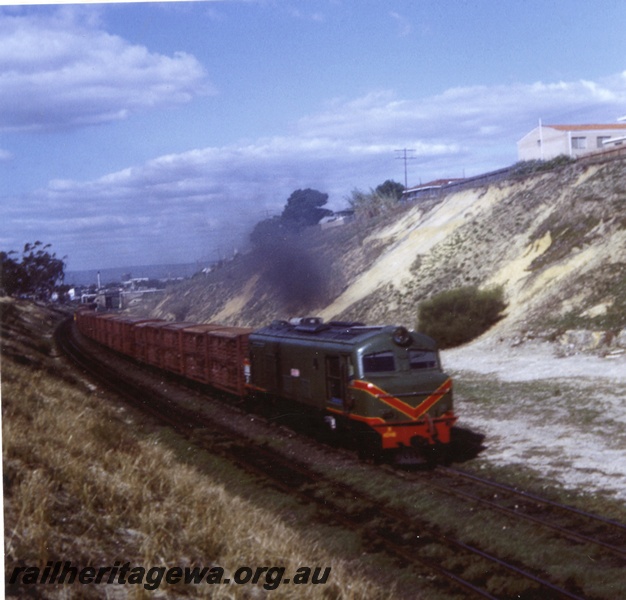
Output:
x=87 y=481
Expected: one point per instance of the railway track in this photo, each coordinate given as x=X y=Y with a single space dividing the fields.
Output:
x=396 y=531
x=569 y=522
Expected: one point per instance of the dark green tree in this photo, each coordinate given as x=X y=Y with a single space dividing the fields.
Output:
x=457 y=316
x=390 y=188
x=37 y=273
x=370 y=204
x=303 y=208
x=10 y=273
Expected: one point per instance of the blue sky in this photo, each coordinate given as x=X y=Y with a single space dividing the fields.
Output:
x=160 y=133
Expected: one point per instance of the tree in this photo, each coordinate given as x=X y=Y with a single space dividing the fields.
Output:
x=370 y=204
x=37 y=274
x=10 y=273
x=303 y=208
x=391 y=189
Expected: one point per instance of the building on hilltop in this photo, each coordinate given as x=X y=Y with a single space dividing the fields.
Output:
x=432 y=189
x=549 y=141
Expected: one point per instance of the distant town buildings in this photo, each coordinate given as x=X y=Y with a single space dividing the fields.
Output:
x=549 y=141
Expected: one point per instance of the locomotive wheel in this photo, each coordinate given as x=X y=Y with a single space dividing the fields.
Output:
x=436 y=454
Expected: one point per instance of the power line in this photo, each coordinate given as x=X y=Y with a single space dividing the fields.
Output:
x=405 y=157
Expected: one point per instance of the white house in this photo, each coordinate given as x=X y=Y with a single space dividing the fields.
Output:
x=548 y=141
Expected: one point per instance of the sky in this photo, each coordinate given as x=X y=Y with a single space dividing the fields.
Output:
x=150 y=133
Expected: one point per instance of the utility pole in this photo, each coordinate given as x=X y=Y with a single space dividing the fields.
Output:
x=405 y=157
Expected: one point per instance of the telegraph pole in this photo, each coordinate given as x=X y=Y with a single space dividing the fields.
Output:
x=405 y=157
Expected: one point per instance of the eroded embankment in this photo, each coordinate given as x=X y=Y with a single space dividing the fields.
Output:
x=555 y=242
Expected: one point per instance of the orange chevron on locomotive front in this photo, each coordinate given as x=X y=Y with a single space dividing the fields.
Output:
x=413 y=412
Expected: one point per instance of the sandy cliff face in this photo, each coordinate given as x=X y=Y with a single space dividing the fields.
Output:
x=556 y=242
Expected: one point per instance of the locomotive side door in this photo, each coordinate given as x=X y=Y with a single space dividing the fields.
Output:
x=337 y=371
x=265 y=366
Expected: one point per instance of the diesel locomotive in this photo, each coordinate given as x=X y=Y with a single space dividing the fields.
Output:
x=382 y=387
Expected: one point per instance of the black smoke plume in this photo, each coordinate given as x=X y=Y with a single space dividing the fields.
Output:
x=290 y=266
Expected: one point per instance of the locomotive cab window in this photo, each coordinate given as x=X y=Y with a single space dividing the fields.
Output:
x=422 y=359
x=379 y=362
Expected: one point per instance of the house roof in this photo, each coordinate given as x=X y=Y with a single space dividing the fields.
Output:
x=432 y=184
x=587 y=127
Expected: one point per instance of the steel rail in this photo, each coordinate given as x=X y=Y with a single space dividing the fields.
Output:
x=535 y=498
x=563 y=531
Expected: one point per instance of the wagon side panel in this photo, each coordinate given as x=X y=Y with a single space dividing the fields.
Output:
x=227 y=351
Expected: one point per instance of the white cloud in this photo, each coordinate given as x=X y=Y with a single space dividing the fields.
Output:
x=404 y=25
x=174 y=207
x=64 y=71
x=466 y=116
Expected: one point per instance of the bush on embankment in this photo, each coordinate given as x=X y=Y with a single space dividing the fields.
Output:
x=457 y=316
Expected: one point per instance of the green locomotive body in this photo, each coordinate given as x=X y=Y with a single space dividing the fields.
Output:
x=384 y=384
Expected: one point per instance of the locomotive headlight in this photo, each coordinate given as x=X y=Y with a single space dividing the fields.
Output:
x=401 y=337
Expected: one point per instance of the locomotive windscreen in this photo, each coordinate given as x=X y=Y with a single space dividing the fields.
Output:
x=379 y=362
x=422 y=359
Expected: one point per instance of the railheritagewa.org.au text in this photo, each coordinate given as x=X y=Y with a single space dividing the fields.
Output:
x=151 y=578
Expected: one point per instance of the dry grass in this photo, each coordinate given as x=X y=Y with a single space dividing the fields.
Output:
x=85 y=482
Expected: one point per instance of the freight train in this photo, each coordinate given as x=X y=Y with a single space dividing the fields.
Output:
x=381 y=387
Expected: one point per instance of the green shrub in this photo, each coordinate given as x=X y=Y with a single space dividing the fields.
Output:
x=528 y=167
x=457 y=316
